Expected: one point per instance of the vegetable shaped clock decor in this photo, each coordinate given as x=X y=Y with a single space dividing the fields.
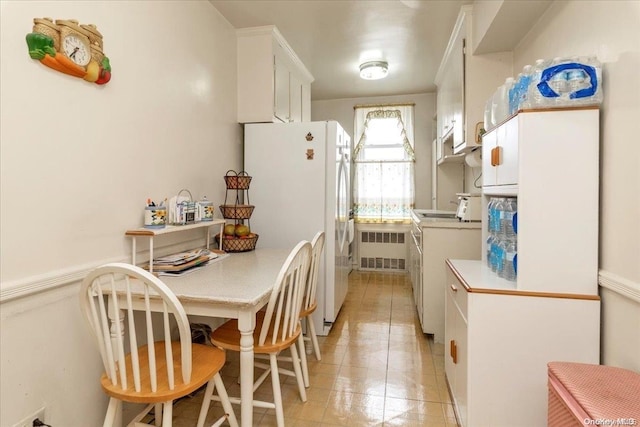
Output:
x=70 y=48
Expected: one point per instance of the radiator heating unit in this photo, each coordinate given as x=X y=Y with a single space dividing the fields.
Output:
x=382 y=250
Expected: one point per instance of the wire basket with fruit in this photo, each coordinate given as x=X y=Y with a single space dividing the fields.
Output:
x=237 y=238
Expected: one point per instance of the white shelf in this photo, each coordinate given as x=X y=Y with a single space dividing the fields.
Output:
x=152 y=232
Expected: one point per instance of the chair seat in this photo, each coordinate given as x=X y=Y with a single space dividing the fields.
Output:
x=227 y=336
x=308 y=311
x=206 y=362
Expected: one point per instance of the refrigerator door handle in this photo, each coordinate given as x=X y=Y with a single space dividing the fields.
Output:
x=341 y=208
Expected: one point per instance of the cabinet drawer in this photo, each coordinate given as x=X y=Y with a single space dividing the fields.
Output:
x=458 y=294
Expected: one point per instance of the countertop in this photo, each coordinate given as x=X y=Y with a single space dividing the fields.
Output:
x=477 y=276
x=441 y=222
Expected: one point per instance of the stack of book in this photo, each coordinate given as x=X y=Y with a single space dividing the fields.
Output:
x=181 y=262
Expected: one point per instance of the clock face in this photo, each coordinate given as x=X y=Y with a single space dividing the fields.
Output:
x=76 y=49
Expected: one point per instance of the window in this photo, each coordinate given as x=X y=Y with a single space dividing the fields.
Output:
x=383 y=187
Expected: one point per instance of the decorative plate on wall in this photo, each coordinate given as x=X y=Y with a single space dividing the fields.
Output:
x=70 y=48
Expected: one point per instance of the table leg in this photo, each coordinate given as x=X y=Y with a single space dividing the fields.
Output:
x=246 y=325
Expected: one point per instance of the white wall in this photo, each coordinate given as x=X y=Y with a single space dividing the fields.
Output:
x=610 y=30
x=424 y=127
x=78 y=161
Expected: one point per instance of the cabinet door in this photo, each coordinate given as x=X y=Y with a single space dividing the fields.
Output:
x=462 y=349
x=450 y=317
x=456 y=345
x=295 y=98
x=306 y=102
x=457 y=91
x=500 y=152
x=508 y=141
x=489 y=143
x=415 y=268
x=281 y=90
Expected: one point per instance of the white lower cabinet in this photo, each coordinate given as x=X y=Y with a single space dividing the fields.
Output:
x=442 y=240
x=415 y=270
x=499 y=341
x=456 y=347
x=433 y=241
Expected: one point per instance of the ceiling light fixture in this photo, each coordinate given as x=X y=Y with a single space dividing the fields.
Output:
x=374 y=70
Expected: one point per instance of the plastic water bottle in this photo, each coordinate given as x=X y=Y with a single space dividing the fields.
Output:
x=523 y=87
x=584 y=82
x=487 y=114
x=508 y=269
x=506 y=97
x=489 y=248
x=495 y=106
x=536 y=99
x=490 y=214
x=497 y=215
x=502 y=102
x=576 y=80
x=495 y=254
x=500 y=257
x=509 y=208
x=514 y=94
x=558 y=83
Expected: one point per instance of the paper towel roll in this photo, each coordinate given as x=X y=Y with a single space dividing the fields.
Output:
x=474 y=159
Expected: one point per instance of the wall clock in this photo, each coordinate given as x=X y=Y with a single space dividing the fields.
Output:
x=76 y=49
x=70 y=48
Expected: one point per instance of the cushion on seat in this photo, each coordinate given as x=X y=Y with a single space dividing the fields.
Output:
x=594 y=392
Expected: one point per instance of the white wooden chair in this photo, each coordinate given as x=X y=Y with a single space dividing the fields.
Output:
x=156 y=374
x=277 y=328
x=310 y=303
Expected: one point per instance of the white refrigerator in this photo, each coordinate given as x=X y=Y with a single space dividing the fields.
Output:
x=301 y=185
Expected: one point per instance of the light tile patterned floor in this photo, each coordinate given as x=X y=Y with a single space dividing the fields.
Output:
x=377 y=368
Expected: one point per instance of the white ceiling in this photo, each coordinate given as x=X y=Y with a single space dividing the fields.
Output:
x=332 y=38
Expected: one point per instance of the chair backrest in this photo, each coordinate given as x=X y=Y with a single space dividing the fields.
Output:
x=283 y=309
x=317 y=245
x=117 y=289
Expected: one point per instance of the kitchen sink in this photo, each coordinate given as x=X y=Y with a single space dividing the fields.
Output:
x=435 y=214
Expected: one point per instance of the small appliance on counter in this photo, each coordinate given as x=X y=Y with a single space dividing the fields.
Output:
x=469 y=207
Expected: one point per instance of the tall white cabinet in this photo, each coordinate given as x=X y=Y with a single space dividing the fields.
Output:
x=499 y=334
x=549 y=160
x=273 y=84
x=465 y=81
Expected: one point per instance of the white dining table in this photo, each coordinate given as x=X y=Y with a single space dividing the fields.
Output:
x=236 y=286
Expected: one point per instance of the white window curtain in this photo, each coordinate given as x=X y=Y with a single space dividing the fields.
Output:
x=383 y=188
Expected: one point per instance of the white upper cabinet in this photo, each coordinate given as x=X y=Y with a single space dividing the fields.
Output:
x=282 y=79
x=273 y=84
x=500 y=155
x=295 y=98
x=465 y=82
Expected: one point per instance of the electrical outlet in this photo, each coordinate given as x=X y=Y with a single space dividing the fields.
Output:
x=28 y=420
